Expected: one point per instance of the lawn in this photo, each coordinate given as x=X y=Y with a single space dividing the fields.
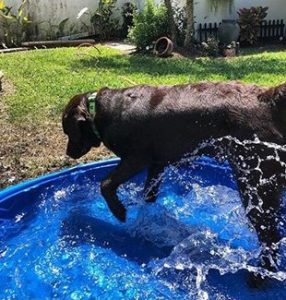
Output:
x=38 y=84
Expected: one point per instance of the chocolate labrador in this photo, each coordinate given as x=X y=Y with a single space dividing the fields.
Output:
x=150 y=127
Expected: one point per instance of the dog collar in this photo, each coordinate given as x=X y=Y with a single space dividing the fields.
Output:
x=91 y=108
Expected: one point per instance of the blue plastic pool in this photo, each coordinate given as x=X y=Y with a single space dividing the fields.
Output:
x=58 y=239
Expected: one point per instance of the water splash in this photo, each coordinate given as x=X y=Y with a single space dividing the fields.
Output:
x=195 y=242
x=206 y=250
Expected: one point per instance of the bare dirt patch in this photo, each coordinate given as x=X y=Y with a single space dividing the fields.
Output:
x=28 y=150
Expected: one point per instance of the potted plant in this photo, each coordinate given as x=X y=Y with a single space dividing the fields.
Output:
x=228 y=31
x=250 y=20
x=163 y=47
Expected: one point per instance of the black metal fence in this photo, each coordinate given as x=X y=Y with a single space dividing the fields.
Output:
x=269 y=31
x=272 y=30
x=207 y=30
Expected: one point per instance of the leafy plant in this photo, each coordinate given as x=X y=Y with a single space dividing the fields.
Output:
x=54 y=31
x=250 y=20
x=210 y=47
x=62 y=27
x=4 y=9
x=103 y=21
x=128 y=10
x=104 y=24
x=14 y=26
x=149 y=24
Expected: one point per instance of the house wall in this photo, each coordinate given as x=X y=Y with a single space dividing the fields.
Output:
x=49 y=13
x=204 y=13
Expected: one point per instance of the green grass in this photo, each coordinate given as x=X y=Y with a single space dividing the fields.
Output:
x=44 y=80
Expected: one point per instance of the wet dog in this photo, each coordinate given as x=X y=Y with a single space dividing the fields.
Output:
x=151 y=127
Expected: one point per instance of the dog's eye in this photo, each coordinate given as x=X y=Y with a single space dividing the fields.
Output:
x=85 y=128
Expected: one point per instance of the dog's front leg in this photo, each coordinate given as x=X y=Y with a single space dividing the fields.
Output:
x=153 y=182
x=127 y=168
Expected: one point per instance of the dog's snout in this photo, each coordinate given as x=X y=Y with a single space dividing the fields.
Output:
x=73 y=155
x=73 y=150
x=76 y=151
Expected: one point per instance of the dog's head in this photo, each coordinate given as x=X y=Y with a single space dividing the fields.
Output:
x=78 y=125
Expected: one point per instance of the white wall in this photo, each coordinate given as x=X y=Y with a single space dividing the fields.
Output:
x=55 y=11
x=204 y=13
x=49 y=13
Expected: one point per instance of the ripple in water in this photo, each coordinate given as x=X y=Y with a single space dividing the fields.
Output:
x=195 y=242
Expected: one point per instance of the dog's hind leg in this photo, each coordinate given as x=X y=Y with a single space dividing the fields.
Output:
x=153 y=182
x=127 y=168
x=262 y=202
x=265 y=219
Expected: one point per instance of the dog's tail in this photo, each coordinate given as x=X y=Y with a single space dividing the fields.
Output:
x=275 y=96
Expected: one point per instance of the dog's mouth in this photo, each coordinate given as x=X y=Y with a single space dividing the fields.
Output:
x=75 y=151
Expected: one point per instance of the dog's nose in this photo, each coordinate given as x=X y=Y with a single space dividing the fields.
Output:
x=74 y=151
x=72 y=155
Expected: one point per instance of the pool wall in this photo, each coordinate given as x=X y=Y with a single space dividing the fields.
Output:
x=21 y=196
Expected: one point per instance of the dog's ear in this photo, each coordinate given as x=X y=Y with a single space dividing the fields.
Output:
x=70 y=112
x=73 y=116
x=72 y=124
x=86 y=126
x=276 y=97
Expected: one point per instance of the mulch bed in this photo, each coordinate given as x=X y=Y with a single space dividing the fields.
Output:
x=28 y=150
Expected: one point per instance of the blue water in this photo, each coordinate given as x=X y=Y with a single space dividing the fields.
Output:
x=193 y=243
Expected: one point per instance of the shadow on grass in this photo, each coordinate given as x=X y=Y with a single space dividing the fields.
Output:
x=198 y=69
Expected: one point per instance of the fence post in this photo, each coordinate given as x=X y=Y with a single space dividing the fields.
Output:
x=200 y=32
x=282 y=28
x=215 y=30
x=205 y=32
x=269 y=30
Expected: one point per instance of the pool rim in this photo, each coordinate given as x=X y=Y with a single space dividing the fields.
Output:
x=36 y=182
x=32 y=183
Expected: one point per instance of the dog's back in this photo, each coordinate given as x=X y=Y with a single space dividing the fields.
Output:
x=206 y=95
x=148 y=117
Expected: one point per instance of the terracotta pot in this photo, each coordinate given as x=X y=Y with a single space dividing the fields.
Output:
x=228 y=31
x=163 y=47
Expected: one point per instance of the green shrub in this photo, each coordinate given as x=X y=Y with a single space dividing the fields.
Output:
x=210 y=47
x=250 y=20
x=103 y=20
x=13 y=25
x=149 y=25
x=128 y=10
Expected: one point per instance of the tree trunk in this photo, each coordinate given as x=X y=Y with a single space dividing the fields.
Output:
x=171 y=21
x=190 y=24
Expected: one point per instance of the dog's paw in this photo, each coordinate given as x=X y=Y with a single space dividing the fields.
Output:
x=118 y=210
x=150 y=197
x=256 y=281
